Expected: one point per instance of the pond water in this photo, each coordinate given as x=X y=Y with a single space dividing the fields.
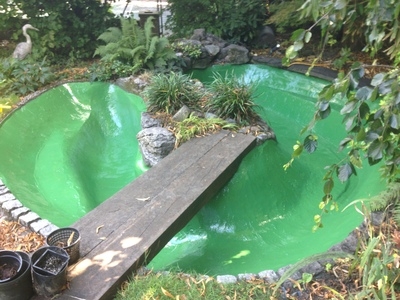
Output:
x=74 y=146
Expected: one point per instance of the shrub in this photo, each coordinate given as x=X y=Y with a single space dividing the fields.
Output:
x=232 y=98
x=136 y=47
x=23 y=76
x=67 y=28
x=169 y=92
x=235 y=20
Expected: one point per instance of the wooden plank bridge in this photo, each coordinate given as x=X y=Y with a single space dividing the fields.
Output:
x=132 y=226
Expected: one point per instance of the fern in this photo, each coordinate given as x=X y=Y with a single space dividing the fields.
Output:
x=389 y=196
x=135 y=46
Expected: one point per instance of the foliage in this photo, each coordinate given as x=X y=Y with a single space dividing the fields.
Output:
x=370 y=113
x=136 y=47
x=23 y=76
x=190 y=50
x=196 y=126
x=284 y=15
x=169 y=92
x=235 y=20
x=67 y=28
x=175 y=285
x=232 y=98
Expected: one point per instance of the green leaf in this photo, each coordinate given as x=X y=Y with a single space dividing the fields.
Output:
x=298 y=35
x=344 y=142
x=375 y=150
x=348 y=107
x=307 y=36
x=344 y=172
x=328 y=186
x=298 y=45
x=340 y=4
x=290 y=52
x=363 y=110
x=394 y=121
x=377 y=79
x=311 y=143
x=363 y=93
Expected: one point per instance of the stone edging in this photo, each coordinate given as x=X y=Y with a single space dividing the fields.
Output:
x=11 y=208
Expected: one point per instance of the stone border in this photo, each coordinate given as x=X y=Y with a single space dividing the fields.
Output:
x=12 y=208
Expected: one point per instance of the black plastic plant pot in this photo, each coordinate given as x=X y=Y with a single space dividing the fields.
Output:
x=10 y=265
x=51 y=263
x=49 y=270
x=20 y=288
x=67 y=238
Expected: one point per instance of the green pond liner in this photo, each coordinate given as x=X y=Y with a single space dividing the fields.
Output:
x=263 y=217
x=74 y=146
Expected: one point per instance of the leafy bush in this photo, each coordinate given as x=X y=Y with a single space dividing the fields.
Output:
x=136 y=47
x=284 y=15
x=169 y=92
x=232 y=98
x=196 y=126
x=23 y=76
x=235 y=20
x=67 y=28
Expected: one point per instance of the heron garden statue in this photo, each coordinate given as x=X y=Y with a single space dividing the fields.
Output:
x=24 y=48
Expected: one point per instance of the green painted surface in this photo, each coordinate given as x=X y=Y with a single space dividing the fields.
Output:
x=263 y=218
x=71 y=148
x=74 y=146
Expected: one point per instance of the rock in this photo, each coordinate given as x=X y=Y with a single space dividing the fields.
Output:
x=269 y=276
x=182 y=114
x=234 y=54
x=266 y=38
x=155 y=143
x=148 y=121
x=226 y=279
x=212 y=50
x=198 y=34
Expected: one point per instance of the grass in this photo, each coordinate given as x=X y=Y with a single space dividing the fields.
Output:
x=176 y=285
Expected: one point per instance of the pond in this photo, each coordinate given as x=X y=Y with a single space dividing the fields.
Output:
x=74 y=146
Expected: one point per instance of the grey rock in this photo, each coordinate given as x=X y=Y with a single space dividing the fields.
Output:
x=10 y=205
x=247 y=276
x=212 y=50
x=28 y=218
x=295 y=276
x=202 y=62
x=182 y=114
x=6 y=197
x=39 y=225
x=234 y=54
x=45 y=231
x=266 y=38
x=377 y=218
x=262 y=137
x=16 y=213
x=148 y=121
x=198 y=34
x=209 y=115
x=313 y=268
x=3 y=190
x=155 y=143
x=226 y=279
x=269 y=276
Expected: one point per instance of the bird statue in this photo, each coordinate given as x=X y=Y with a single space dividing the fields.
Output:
x=24 y=48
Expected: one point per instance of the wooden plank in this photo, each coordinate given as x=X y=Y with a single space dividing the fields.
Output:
x=132 y=231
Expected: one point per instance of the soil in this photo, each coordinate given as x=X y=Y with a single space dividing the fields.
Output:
x=7 y=271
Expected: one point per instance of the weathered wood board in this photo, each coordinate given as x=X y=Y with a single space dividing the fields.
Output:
x=132 y=226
